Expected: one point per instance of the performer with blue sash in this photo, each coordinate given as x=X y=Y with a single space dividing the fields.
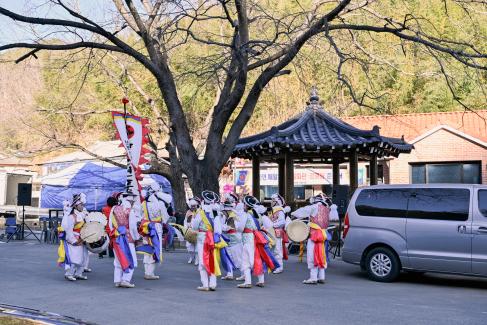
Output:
x=229 y=225
x=155 y=211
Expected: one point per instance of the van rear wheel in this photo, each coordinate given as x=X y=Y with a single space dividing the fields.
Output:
x=382 y=265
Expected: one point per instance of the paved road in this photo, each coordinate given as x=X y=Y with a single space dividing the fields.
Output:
x=29 y=277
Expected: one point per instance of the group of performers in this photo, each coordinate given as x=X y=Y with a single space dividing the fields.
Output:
x=132 y=226
x=241 y=235
x=233 y=235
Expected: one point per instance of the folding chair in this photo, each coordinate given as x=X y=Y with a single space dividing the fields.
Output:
x=11 y=228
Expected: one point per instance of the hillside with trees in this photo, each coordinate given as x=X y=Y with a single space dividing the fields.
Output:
x=208 y=72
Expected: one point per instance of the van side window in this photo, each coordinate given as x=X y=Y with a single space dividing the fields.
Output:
x=439 y=204
x=483 y=202
x=383 y=202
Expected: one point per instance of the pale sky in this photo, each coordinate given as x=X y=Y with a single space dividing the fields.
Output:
x=11 y=31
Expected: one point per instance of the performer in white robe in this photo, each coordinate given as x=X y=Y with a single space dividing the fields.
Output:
x=229 y=227
x=73 y=220
x=247 y=221
x=278 y=218
x=157 y=202
x=318 y=213
x=209 y=210
x=193 y=206
x=125 y=216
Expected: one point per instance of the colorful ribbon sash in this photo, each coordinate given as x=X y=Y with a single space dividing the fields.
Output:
x=63 y=252
x=263 y=257
x=121 y=248
x=319 y=237
x=148 y=229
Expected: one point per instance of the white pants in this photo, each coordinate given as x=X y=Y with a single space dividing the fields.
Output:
x=118 y=274
x=207 y=280
x=235 y=253
x=278 y=254
x=149 y=262
x=86 y=258
x=248 y=277
x=315 y=273
x=77 y=257
x=74 y=270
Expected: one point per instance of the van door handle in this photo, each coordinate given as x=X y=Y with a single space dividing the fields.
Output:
x=482 y=230
x=463 y=229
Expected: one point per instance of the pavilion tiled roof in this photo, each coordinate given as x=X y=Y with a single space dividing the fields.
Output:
x=316 y=130
x=414 y=125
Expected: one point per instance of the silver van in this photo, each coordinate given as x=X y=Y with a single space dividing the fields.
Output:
x=420 y=228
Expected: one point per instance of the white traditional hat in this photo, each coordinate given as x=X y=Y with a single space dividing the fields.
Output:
x=278 y=199
x=210 y=197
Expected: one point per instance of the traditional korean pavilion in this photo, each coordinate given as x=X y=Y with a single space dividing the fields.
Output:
x=315 y=136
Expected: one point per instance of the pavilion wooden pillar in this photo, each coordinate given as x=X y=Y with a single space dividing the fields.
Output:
x=353 y=161
x=256 y=177
x=289 y=178
x=336 y=172
x=373 y=170
x=281 y=176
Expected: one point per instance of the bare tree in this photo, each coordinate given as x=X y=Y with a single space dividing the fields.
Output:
x=244 y=44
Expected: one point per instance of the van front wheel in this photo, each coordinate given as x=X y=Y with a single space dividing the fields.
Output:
x=382 y=265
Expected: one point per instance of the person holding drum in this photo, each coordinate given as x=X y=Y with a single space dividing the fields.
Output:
x=123 y=236
x=208 y=224
x=72 y=251
x=193 y=206
x=229 y=227
x=155 y=211
x=318 y=213
x=256 y=253
x=278 y=218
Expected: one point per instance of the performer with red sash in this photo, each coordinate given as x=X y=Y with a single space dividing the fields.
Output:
x=208 y=224
x=71 y=250
x=256 y=254
x=122 y=238
x=193 y=205
x=318 y=213
x=278 y=218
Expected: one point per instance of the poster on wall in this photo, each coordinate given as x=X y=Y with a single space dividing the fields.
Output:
x=241 y=177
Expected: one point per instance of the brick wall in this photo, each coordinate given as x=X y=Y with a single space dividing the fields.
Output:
x=441 y=146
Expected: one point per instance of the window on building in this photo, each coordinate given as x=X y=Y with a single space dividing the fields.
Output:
x=439 y=204
x=466 y=173
x=380 y=173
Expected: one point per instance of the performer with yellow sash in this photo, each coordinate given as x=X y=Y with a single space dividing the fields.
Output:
x=71 y=250
x=209 y=241
x=278 y=218
x=318 y=213
x=193 y=205
x=229 y=225
x=155 y=210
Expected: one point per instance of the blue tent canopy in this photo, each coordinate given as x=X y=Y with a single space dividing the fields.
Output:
x=96 y=179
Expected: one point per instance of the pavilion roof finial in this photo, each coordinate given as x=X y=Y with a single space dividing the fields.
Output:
x=314 y=99
x=314 y=95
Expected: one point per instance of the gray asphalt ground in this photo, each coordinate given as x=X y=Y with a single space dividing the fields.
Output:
x=29 y=277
